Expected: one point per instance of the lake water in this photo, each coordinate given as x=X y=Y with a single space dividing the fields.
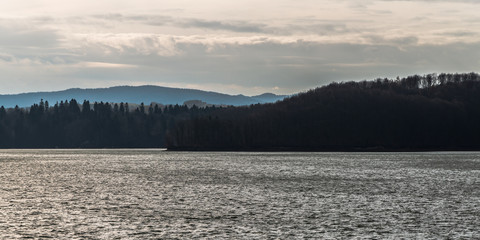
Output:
x=151 y=194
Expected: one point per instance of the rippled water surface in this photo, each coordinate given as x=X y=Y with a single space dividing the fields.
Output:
x=152 y=194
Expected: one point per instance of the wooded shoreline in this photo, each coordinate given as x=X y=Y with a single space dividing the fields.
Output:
x=416 y=113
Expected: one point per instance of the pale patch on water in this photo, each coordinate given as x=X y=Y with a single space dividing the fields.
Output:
x=151 y=194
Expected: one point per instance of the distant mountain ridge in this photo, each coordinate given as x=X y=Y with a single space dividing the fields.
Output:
x=136 y=94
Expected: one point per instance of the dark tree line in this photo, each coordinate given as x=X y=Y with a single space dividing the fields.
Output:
x=69 y=124
x=431 y=112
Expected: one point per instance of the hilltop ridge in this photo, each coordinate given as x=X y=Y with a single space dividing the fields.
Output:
x=136 y=94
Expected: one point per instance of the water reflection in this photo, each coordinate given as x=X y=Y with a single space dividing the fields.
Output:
x=150 y=194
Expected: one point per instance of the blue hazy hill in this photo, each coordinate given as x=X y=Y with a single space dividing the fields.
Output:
x=137 y=94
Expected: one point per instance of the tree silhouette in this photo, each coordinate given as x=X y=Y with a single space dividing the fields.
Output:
x=430 y=112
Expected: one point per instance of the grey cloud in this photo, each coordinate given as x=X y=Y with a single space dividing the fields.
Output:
x=324 y=28
x=303 y=26
x=26 y=59
x=111 y=16
x=145 y=19
x=153 y=20
x=458 y=33
x=328 y=28
x=160 y=20
x=229 y=26
x=43 y=20
x=88 y=21
x=397 y=41
x=28 y=37
x=363 y=7
x=6 y=57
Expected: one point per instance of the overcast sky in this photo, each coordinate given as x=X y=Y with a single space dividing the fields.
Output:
x=236 y=47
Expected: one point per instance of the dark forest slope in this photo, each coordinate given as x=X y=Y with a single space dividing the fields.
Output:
x=416 y=113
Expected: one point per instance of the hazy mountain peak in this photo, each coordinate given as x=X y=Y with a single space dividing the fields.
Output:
x=135 y=94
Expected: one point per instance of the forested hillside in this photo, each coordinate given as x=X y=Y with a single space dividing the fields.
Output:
x=431 y=112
